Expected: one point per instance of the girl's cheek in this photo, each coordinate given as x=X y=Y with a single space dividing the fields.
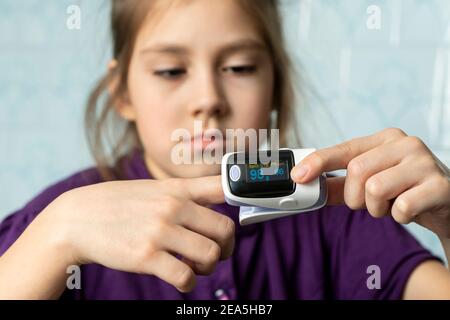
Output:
x=251 y=107
x=154 y=120
x=155 y=138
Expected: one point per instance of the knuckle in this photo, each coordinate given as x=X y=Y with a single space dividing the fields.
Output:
x=442 y=183
x=317 y=159
x=415 y=144
x=171 y=205
x=183 y=278
x=178 y=184
x=228 y=227
x=373 y=212
x=428 y=164
x=354 y=203
x=213 y=254
x=377 y=214
x=401 y=218
x=374 y=186
x=345 y=147
x=355 y=167
x=159 y=230
x=143 y=256
x=403 y=210
x=394 y=132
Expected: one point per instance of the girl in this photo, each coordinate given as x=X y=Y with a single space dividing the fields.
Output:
x=142 y=227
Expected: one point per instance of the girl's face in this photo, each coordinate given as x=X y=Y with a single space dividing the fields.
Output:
x=200 y=60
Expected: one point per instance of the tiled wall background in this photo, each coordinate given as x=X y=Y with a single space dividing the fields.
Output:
x=47 y=71
x=358 y=80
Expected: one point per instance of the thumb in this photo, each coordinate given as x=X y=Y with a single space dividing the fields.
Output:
x=205 y=190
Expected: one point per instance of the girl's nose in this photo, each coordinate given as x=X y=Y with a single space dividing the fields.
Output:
x=207 y=98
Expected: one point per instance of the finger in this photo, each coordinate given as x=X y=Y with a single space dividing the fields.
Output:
x=202 y=251
x=392 y=182
x=172 y=270
x=368 y=164
x=428 y=196
x=191 y=264
x=338 y=157
x=211 y=224
x=203 y=190
x=335 y=188
x=364 y=166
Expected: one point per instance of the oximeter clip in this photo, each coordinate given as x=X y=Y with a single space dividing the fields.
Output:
x=260 y=184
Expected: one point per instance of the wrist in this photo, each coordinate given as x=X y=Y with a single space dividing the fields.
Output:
x=42 y=248
x=56 y=231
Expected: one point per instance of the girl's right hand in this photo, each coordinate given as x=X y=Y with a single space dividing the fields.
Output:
x=139 y=226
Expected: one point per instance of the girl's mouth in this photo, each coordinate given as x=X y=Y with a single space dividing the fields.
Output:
x=201 y=141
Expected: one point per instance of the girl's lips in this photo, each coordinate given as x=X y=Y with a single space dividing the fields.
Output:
x=202 y=142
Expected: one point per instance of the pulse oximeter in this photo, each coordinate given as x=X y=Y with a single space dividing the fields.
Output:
x=265 y=194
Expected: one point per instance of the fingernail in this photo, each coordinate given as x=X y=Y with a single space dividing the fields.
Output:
x=299 y=173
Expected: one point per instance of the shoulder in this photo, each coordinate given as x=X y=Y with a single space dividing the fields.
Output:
x=341 y=226
x=360 y=244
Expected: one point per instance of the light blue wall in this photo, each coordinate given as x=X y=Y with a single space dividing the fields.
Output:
x=46 y=73
x=364 y=80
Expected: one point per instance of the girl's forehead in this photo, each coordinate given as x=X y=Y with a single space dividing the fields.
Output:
x=196 y=23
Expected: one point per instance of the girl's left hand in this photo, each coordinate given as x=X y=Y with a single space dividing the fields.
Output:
x=387 y=173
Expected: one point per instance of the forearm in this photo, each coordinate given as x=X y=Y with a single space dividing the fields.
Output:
x=35 y=266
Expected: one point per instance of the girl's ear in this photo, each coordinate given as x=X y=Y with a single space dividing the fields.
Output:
x=122 y=104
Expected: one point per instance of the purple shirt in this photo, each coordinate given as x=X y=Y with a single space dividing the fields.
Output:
x=317 y=255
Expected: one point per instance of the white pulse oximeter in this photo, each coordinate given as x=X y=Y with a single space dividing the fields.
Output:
x=265 y=194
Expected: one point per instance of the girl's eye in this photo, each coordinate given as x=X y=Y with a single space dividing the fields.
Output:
x=240 y=69
x=170 y=73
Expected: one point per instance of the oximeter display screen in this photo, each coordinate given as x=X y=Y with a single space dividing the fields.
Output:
x=256 y=172
x=250 y=177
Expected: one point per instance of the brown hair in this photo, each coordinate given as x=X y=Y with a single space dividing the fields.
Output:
x=107 y=130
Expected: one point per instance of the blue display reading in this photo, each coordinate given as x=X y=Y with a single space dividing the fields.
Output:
x=256 y=174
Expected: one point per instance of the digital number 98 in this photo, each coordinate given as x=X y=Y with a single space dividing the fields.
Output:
x=255 y=174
